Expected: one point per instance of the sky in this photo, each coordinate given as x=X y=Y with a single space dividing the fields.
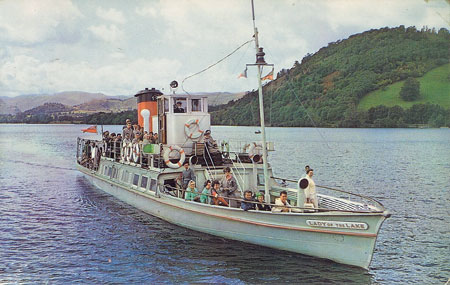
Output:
x=120 y=47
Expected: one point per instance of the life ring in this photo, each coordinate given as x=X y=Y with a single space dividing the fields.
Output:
x=123 y=153
x=136 y=152
x=167 y=153
x=196 y=132
x=129 y=152
x=254 y=152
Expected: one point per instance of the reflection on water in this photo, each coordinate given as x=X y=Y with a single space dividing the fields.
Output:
x=58 y=228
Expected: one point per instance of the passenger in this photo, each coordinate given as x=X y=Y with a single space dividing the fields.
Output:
x=127 y=121
x=229 y=187
x=128 y=130
x=192 y=192
x=177 y=108
x=210 y=143
x=281 y=203
x=248 y=203
x=310 y=191
x=217 y=199
x=187 y=175
x=146 y=139
x=137 y=132
x=155 y=138
x=136 y=138
x=261 y=206
x=205 y=198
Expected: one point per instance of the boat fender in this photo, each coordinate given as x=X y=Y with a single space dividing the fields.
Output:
x=167 y=153
x=254 y=152
x=136 y=152
x=303 y=183
x=192 y=129
x=193 y=160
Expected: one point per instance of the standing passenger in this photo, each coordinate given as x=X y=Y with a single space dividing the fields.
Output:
x=310 y=191
x=229 y=187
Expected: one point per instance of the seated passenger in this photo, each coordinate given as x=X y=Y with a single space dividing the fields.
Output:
x=262 y=206
x=281 y=203
x=177 y=108
x=217 y=199
x=191 y=192
x=209 y=142
x=248 y=204
x=204 y=198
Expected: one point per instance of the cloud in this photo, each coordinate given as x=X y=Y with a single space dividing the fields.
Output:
x=118 y=77
x=109 y=33
x=35 y=21
x=111 y=14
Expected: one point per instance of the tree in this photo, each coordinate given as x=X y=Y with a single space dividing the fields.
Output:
x=410 y=90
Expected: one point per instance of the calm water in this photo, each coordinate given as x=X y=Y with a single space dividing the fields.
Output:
x=57 y=228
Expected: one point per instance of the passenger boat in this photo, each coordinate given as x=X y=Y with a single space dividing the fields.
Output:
x=145 y=176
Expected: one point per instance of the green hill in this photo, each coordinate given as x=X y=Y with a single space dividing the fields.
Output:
x=326 y=88
x=434 y=89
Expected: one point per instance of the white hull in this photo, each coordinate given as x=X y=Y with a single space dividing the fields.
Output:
x=280 y=231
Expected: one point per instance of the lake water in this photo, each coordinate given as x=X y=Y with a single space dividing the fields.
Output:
x=57 y=228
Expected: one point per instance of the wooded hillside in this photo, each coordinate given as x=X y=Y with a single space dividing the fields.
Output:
x=326 y=88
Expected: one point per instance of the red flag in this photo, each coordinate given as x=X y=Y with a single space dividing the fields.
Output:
x=91 y=129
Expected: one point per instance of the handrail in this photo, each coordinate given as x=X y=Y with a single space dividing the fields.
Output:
x=270 y=204
x=335 y=189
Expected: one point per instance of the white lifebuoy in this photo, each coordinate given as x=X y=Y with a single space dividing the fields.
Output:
x=123 y=152
x=255 y=149
x=167 y=153
x=192 y=129
x=129 y=152
x=136 y=152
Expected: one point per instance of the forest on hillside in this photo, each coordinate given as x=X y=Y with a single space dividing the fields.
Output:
x=324 y=89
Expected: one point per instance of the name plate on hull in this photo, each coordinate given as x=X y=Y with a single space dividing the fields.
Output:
x=337 y=224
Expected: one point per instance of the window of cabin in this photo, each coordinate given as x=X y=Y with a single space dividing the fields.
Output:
x=125 y=176
x=109 y=171
x=177 y=108
x=166 y=105
x=196 y=105
x=260 y=179
x=105 y=170
x=153 y=184
x=144 y=182
x=114 y=173
x=136 y=179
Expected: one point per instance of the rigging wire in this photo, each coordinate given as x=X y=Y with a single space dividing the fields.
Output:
x=306 y=111
x=214 y=64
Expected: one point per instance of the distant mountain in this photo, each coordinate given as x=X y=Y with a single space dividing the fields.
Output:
x=48 y=108
x=26 y=102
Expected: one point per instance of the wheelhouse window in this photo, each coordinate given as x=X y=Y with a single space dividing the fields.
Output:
x=136 y=179
x=180 y=105
x=196 y=105
x=144 y=182
x=166 y=105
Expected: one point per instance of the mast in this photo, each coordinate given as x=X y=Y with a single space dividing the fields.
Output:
x=260 y=62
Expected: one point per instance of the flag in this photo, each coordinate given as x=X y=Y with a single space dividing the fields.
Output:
x=269 y=76
x=91 y=129
x=243 y=74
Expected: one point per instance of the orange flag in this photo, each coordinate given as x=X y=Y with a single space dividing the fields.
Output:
x=91 y=129
x=269 y=76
